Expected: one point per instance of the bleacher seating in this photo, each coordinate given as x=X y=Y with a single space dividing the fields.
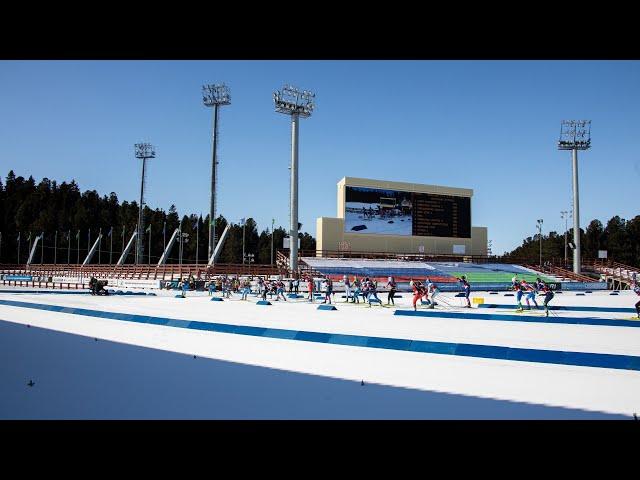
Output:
x=370 y=268
x=441 y=272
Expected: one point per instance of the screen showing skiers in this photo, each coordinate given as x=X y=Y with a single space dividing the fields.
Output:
x=392 y=212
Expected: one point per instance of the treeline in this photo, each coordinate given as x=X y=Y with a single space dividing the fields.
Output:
x=620 y=238
x=72 y=221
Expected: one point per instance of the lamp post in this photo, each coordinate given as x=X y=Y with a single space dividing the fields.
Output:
x=273 y=220
x=540 y=238
x=184 y=238
x=197 y=239
x=69 y=247
x=149 y=255
x=214 y=96
x=291 y=101
x=250 y=260
x=110 y=245
x=180 y=249
x=143 y=151
x=575 y=135
x=19 y=248
x=55 y=248
x=243 y=225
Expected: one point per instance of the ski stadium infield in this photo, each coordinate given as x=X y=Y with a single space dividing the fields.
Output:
x=159 y=357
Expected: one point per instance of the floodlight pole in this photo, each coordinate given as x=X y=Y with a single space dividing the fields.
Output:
x=214 y=177
x=576 y=213
x=574 y=136
x=143 y=151
x=296 y=103
x=293 y=235
x=244 y=222
x=214 y=96
x=139 y=242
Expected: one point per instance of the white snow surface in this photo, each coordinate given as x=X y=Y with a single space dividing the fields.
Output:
x=575 y=387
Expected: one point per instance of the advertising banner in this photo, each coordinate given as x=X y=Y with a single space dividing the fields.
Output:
x=20 y=278
x=584 y=285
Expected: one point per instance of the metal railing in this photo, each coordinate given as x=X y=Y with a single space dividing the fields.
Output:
x=140 y=272
x=619 y=275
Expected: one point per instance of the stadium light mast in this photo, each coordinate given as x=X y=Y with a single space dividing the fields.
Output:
x=575 y=135
x=291 y=101
x=214 y=96
x=143 y=151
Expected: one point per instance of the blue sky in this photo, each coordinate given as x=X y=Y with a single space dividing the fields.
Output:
x=487 y=125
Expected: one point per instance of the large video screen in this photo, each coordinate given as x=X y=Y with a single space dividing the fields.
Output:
x=392 y=212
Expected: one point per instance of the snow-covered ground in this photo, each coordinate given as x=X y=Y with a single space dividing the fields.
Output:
x=142 y=370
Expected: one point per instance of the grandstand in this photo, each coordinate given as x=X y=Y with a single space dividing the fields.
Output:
x=440 y=272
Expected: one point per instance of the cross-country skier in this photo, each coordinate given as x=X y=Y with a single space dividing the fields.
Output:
x=531 y=295
x=279 y=286
x=392 y=286
x=356 y=291
x=329 y=290
x=418 y=292
x=310 y=288
x=548 y=295
x=433 y=291
x=467 y=289
x=347 y=288
x=364 y=287
x=520 y=290
x=372 y=292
